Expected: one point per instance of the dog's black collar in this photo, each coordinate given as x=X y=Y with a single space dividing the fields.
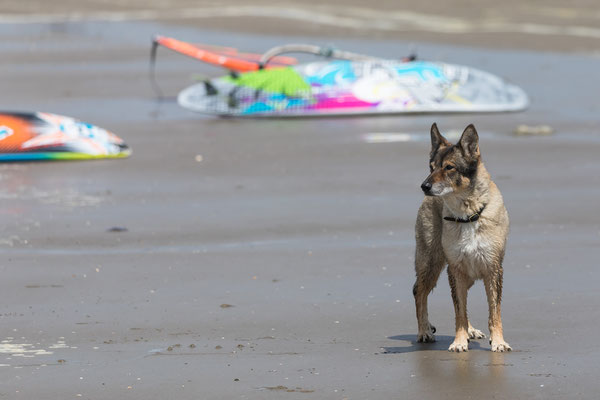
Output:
x=470 y=218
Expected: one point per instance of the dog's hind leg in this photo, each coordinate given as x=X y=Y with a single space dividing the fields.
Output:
x=493 y=289
x=473 y=332
x=459 y=286
x=429 y=261
x=428 y=268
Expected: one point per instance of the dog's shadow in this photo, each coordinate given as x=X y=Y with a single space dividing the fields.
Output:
x=442 y=343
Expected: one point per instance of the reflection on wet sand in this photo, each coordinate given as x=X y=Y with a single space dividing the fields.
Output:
x=462 y=372
x=13 y=347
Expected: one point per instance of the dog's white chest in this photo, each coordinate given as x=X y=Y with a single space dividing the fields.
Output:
x=467 y=247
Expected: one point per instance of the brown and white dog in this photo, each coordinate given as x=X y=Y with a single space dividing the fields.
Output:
x=463 y=223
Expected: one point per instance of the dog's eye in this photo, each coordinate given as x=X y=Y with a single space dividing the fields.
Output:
x=449 y=167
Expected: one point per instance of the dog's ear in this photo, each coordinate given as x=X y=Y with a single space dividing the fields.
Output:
x=437 y=140
x=469 y=142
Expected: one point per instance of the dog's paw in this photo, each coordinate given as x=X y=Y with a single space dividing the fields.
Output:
x=458 y=346
x=475 y=333
x=427 y=336
x=500 y=346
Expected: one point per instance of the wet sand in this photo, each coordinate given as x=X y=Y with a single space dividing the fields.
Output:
x=273 y=258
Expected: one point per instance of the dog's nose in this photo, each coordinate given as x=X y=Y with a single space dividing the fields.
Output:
x=426 y=186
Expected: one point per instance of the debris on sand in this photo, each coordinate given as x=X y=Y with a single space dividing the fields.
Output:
x=289 y=390
x=117 y=229
x=280 y=387
x=533 y=130
x=226 y=305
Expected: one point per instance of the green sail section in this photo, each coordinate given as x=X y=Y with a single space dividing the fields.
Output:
x=284 y=81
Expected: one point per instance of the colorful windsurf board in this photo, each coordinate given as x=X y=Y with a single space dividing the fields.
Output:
x=26 y=136
x=345 y=87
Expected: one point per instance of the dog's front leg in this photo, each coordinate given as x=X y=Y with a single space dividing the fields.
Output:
x=459 y=285
x=493 y=289
x=473 y=332
x=428 y=271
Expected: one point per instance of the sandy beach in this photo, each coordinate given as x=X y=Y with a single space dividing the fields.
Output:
x=270 y=259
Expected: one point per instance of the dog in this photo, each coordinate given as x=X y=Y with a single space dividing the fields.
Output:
x=461 y=223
